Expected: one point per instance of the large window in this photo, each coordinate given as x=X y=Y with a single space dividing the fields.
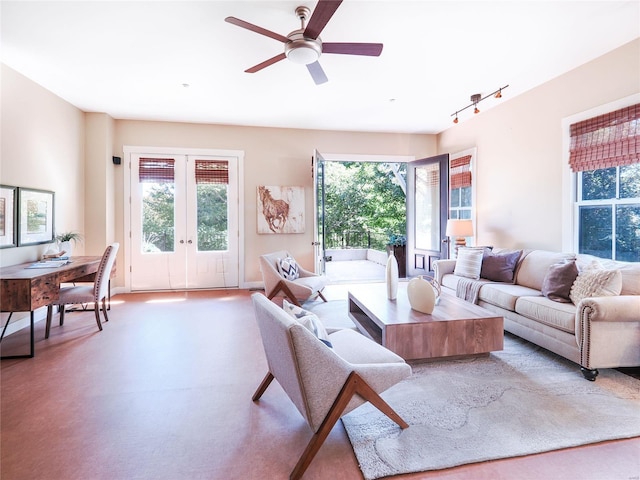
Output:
x=609 y=212
x=605 y=156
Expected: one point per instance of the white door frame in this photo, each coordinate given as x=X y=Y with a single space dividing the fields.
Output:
x=126 y=227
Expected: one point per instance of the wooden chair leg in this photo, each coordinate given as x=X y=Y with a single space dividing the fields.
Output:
x=263 y=386
x=281 y=286
x=96 y=309
x=355 y=384
x=322 y=296
x=104 y=309
x=61 y=308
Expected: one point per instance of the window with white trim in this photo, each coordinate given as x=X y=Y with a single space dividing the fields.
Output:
x=605 y=157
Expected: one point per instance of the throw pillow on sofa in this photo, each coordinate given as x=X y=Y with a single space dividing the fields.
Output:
x=309 y=320
x=596 y=282
x=288 y=268
x=558 y=281
x=469 y=262
x=499 y=267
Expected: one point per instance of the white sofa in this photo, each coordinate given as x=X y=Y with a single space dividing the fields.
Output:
x=598 y=332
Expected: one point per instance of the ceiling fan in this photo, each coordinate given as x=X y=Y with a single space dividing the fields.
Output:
x=304 y=45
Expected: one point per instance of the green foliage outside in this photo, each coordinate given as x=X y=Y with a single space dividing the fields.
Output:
x=364 y=202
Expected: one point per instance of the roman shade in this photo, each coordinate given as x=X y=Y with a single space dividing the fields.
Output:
x=212 y=172
x=460 y=172
x=156 y=170
x=605 y=141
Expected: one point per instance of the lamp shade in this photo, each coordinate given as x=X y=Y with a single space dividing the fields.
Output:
x=459 y=228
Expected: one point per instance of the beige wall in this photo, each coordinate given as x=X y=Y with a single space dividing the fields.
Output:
x=520 y=151
x=273 y=156
x=42 y=138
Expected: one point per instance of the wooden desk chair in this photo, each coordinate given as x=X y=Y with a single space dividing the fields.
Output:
x=96 y=293
x=323 y=382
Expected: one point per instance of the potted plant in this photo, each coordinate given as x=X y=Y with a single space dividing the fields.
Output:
x=397 y=244
x=64 y=241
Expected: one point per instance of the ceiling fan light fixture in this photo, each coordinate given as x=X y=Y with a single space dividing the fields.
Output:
x=302 y=50
x=302 y=54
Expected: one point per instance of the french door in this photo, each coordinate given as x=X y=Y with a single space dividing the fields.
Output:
x=319 y=225
x=427 y=208
x=184 y=221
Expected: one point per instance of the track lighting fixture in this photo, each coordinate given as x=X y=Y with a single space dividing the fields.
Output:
x=475 y=99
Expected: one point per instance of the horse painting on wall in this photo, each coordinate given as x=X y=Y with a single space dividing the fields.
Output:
x=280 y=209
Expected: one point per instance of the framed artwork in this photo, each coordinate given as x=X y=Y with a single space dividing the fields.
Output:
x=35 y=216
x=280 y=209
x=8 y=215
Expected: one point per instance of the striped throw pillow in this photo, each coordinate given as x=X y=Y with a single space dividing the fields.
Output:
x=469 y=262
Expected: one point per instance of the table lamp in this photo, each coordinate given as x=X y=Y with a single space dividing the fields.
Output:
x=459 y=229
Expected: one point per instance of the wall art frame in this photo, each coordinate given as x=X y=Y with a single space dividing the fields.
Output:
x=35 y=216
x=280 y=209
x=8 y=216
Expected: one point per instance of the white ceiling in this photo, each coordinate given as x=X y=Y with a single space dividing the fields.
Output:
x=131 y=59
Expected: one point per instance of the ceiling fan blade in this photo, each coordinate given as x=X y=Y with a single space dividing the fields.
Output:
x=369 y=49
x=257 y=29
x=266 y=63
x=320 y=17
x=317 y=73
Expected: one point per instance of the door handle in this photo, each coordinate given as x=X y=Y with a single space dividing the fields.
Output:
x=190 y=242
x=181 y=241
x=315 y=244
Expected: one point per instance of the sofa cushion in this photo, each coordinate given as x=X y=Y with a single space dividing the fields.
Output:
x=541 y=309
x=505 y=295
x=469 y=262
x=499 y=267
x=596 y=282
x=307 y=319
x=534 y=266
x=558 y=281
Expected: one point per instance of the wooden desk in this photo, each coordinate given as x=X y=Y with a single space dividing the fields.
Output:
x=27 y=289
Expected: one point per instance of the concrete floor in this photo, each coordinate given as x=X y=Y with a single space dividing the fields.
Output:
x=350 y=271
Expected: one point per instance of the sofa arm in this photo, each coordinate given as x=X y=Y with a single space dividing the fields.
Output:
x=608 y=332
x=443 y=267
x=620 y=308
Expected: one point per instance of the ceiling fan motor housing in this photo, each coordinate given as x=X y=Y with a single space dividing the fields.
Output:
x=302 y=50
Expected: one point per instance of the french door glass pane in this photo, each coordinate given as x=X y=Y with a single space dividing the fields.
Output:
x=158 y=200
x=599 y=184
x=596 y=231
x=628 y=233
x=427 y=207
x=213 y=231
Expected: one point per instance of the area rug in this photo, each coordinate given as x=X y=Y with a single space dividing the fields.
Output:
x=519 y=401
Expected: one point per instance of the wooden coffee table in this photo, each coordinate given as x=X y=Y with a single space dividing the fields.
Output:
x=455 y=328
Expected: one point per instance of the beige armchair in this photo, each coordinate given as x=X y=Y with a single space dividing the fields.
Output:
x=307 y=285
x=324 y=383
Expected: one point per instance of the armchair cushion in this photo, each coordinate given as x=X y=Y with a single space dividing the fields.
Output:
x=288 y=268
x=309 y=320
